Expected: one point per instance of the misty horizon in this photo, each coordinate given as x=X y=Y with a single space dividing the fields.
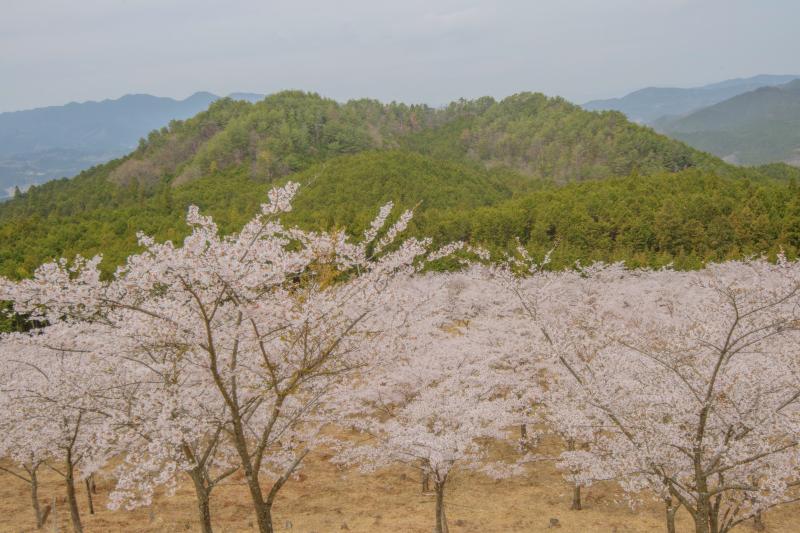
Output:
x=415 y=52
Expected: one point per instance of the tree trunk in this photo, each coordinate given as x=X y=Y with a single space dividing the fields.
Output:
x=523 y=431
x=89 y=495
x=263 y=516
x=203 y=494
x=441 y=519
x=263 y=512
x=72 y=500
x=702 y=516
x=702 y=512
x=670 y=512
x=426 y=482
x=701 y=519
x=713 y=515
x=37 y=510
x=55 y=516
x=92 y=484
x=261 y=508
x=46 y=513
x=576 y=498
x=576 y=489
x=758 y=522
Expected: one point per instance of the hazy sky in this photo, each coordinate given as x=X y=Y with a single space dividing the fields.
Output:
x=433 y=51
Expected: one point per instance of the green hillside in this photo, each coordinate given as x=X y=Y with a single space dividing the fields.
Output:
x=282 y=134
x=287 y=132
x=347 y=190
x=551 y=138
x=757 y=127
x=527 y=168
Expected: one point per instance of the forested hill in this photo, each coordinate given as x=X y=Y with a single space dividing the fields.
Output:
x=535 y=135
x=529 y=167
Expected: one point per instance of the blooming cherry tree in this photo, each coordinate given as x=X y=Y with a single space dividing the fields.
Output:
x=26 y=455
x=273 y=317
x=59 y=395
x=176 y=425
x=435 y=398
x=694 y=379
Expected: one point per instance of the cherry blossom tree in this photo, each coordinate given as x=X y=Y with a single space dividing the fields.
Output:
x=58 y=397
x=160 y=427
x=175 y=426
x=275 y=317
x=526 y=314
x=435 y=398
x=693 y=378
x=26 y=455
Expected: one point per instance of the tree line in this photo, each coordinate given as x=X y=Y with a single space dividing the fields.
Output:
x=686 y=218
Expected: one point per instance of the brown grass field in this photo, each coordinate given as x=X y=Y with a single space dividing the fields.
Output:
x=327 y=499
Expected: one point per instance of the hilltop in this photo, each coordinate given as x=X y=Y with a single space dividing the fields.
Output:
x=286 y=132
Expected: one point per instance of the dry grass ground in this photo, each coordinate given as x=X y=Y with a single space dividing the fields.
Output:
x=326 y=499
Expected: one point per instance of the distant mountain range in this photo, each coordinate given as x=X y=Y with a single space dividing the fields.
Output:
x=41 y=144
x=760 y=126
x=652 y=103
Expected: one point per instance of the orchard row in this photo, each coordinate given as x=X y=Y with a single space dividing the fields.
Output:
x=233 y=354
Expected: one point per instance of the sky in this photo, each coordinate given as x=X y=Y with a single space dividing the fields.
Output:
x=416 y=51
